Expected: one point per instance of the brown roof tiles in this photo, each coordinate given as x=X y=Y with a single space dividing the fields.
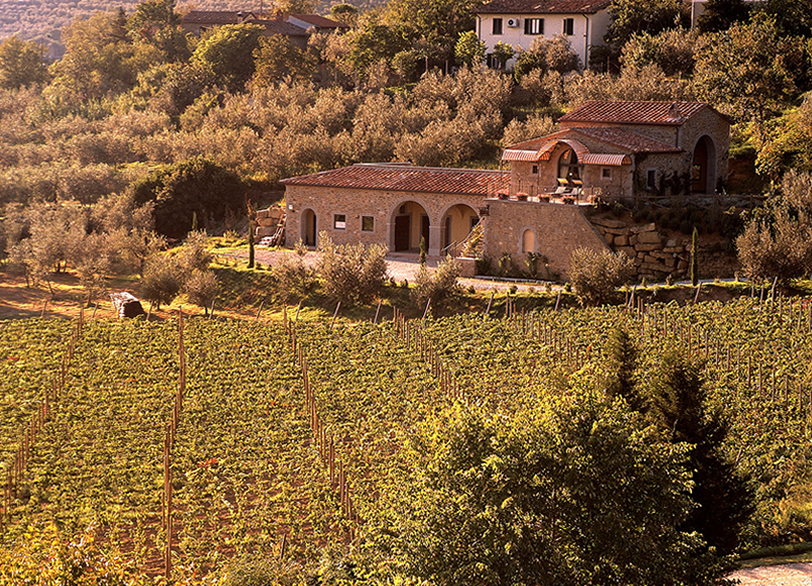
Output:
x=628 y=141
x=660 y=113
x=543 y=7
x=401 y=177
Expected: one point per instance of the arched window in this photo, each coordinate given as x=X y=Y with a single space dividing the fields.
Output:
x=528 y=241
x=568 y=165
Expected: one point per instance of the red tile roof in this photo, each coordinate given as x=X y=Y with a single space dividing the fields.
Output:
x=543 y=7
x=214 y=17
x=320 y=21
x=397 y=177
x=276 y=27
x=628 y=141
x=660 y=113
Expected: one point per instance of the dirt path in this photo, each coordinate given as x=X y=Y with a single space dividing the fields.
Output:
x=797 y=574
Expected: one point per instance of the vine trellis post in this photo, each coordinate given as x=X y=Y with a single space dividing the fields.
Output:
x=41 y=416
x=169 y=443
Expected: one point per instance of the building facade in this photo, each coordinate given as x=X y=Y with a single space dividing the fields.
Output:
x=611 y=150
x=520 y=22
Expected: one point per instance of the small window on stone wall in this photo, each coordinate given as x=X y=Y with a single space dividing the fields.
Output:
x=367 y=223
x=528 y=241
x=651 y=179
x=340 y=221
x=606 y=173
x=535 y=170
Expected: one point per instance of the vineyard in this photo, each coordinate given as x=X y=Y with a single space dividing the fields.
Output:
x=189 y=443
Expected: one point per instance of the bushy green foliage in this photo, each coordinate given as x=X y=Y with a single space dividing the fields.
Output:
x=469 y=50
x=554 y=54
x=182 y=189
x=21 y=64
x=293 y=279
x=440 y=286
x=595 y=275
x=227 y=51
x=351 y=273
x=777 y=241
x=470 y=509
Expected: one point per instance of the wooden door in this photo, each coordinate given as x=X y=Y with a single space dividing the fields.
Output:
x=403 y=229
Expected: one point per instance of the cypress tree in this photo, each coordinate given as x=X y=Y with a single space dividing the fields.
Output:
x=422 y=251
x=694 y=252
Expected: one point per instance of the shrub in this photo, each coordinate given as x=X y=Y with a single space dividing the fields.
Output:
x=162 y=280
x=201 y=288
x=595 y=275
x=352 y=273
x=294 y=280
x=441 y=286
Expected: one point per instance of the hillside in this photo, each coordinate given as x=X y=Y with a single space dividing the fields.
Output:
x=43 y=19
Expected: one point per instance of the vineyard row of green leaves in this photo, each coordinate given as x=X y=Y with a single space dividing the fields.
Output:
x=245 y=469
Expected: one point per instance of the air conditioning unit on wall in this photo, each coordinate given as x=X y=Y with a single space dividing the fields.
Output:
x=513 y=22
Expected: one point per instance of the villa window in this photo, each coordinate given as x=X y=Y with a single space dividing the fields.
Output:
x=367 y=224
x=497 y=26
x=651 y=179
x=534 y=26
x=534 y=170
x=569 y=25
x=340 y=221
x=606 y=173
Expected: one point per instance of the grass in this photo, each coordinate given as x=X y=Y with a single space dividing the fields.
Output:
x=773 y=556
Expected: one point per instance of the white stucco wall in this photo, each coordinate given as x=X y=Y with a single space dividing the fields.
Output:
x=588 y=30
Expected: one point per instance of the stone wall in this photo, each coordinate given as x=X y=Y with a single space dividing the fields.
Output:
x=381 y=205
x=557 y=230
x=658 y=253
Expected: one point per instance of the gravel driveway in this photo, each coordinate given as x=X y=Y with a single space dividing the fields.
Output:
x=798 y=574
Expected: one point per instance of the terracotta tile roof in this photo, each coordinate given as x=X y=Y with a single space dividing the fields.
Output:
x=396 y=177
x=214 y=17
x=660 y=113
x=320 y=21
x=276 y=27
x=543 y=7
x=628 y=141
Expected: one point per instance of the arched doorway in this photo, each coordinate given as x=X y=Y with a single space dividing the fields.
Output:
x=308 y=228
x=410 y=222
x=457 y=223
x=703 y=166
x=568 y=167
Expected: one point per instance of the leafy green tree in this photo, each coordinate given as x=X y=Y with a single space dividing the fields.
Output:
x=435 y=23
x=21 y=64
x=352 y=273
x=554 y=54
x=469 y=49
x=228 y=53
x=678 y=406
x=720 y=15
x=574 y=492
x=630 y=17
x=372 y=41
x=792 y=17
x=181 y=189
x=777 y=241
x=789 y=145
x=502 y=53
x=671 y=50
x=158 y=23
x=99 y=60
x=343 y=12
x=750 y=71
x=596 y=275
x=621 y=367
x=277 y=57
x=441 y=286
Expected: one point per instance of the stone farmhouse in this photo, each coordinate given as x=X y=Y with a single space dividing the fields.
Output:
x=519 y=22
x=296 y=27
x=607 y=150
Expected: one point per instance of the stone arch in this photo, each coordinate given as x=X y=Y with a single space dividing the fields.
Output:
x=408 y=222
x=308 y=228
x=456 y=222
x=703 y=166
x=568 y=166
x=527 y=241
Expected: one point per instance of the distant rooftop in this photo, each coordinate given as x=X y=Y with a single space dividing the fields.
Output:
x=405 y=177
